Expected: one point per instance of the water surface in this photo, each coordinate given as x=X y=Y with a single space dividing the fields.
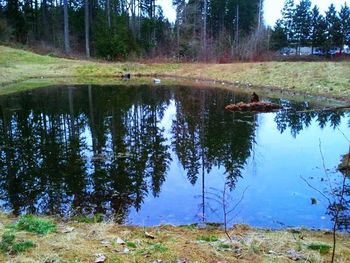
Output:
x=150 y=155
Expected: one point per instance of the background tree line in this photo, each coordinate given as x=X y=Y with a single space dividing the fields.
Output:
x=217 y=30
x=119 y=29
x=302 y=25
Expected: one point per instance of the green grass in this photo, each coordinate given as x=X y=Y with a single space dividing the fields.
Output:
x=210 y=238
x=9 y=245
x=36 y=225
x=322 y=248
x=130 y=244
x=98 y=218
x=23 y=246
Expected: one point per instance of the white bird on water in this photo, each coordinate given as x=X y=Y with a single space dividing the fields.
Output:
x=156 y=81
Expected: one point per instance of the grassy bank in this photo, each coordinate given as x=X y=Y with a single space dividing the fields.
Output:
x=31 y=239
x=22 y=70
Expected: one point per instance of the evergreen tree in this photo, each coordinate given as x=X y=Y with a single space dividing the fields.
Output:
x=318 y=29
x=302 y=22
x=345 y=25
x=288 y=20
x=333 y=28
x=278 y=36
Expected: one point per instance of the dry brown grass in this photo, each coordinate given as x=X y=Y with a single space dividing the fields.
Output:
x=172 y=244
x=330 y=79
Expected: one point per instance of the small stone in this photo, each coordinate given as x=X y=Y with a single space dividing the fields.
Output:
x=100 y=258
x=119 y=241
x=105 y=242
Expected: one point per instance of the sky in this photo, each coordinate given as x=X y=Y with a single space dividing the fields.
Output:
x=272 y=8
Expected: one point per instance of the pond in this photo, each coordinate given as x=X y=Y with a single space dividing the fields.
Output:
x=150 y=155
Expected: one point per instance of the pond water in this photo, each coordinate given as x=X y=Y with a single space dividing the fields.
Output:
x=150 y=155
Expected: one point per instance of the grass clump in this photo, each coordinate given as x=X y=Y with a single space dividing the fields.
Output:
x=97 y=218
x=23 y=246
x=130 y=244
x=322 y=248
x=8 y=238
x=157 y=247
x=210 y=238
x=36 y=225
x=9 y=245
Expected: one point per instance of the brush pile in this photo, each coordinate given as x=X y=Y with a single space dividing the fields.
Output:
x=254 y=106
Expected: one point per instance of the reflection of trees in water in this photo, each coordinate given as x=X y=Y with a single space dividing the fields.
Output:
x=298 y=116
x=45 y=156
x=103 y=150
x=204 y=135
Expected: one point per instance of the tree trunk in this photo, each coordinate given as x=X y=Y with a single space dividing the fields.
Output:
x=259 y=14
x=87 y=29
x=237 y=24
x=108 y=11
x=205 y=29
x=66 y=26
x=45 y=21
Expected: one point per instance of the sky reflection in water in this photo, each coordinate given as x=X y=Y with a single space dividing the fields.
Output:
x=151 y=155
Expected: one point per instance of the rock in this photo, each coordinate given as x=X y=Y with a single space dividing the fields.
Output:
x=293 y=255
x=119 y=241
x=105 y=242
x=100 y=258
x=313 y=201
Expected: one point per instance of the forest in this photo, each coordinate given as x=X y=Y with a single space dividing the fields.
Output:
x=205 y=30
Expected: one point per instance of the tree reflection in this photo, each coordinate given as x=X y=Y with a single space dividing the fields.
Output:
x=75 y=150
x=89 y=150
x=299 y=115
